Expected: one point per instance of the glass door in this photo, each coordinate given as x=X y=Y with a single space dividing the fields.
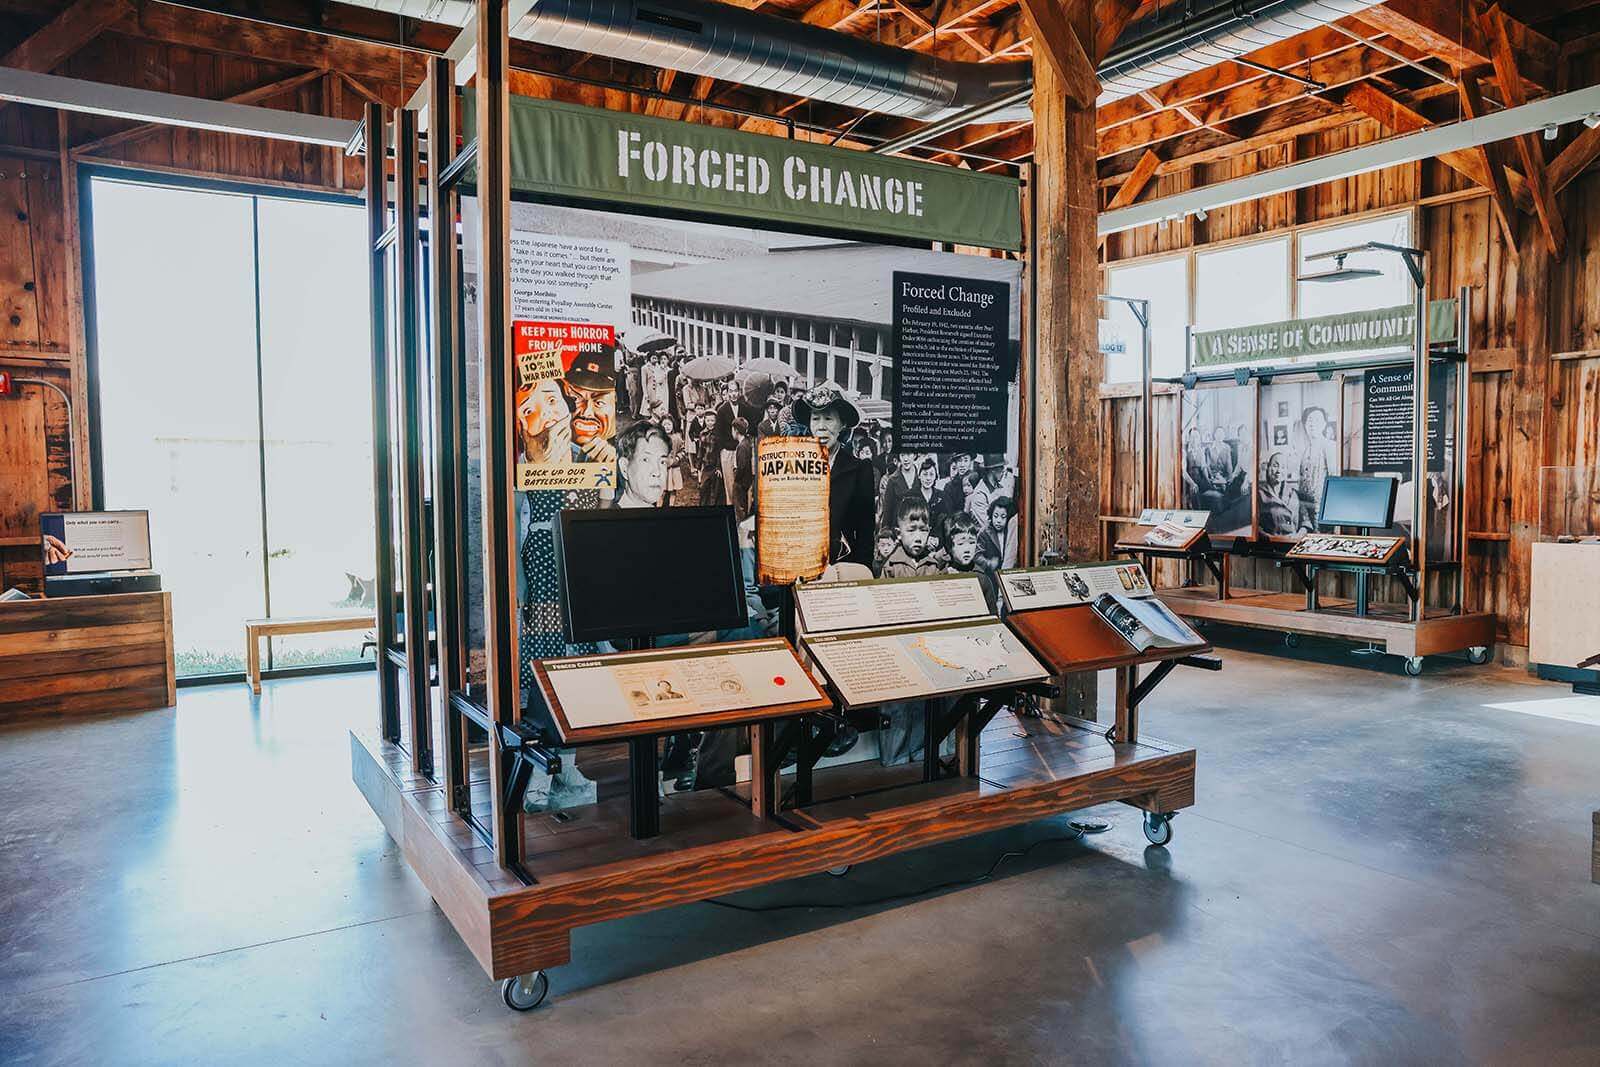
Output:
x=229 y=382
x=316 y=388
x=175 y=352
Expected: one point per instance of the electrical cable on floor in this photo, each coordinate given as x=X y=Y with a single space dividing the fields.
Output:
x=893 y=898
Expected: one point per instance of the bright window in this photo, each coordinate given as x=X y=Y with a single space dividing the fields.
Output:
x=1242 y=285
x=1165 y=284
x=1391 y=287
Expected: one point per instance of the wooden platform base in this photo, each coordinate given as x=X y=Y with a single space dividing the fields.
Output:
x=1286 y=612
x=585 y=868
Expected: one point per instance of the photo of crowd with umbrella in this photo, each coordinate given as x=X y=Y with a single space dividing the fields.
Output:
x=652 y=358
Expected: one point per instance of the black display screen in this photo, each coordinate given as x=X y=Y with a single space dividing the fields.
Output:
x=649 y=572
x=1358 y=501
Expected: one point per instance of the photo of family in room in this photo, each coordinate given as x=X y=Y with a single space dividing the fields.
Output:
x=1219 y=456
x=1299 y=450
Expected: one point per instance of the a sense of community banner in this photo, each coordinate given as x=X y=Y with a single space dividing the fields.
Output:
x=1322 y=337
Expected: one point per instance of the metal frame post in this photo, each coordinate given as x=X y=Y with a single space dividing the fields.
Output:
x=494 y=309
x=409 y=382
x=382 y=491
x=1419 y=435
x=448 y=387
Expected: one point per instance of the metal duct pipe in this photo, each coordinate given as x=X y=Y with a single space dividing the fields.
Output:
x=1159 y=50
x=717 y=40
x=733 y=44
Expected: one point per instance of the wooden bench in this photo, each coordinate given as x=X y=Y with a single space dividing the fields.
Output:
x=256 y=629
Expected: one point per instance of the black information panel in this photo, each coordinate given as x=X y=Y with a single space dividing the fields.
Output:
x=953 y=363
x=1386 y=438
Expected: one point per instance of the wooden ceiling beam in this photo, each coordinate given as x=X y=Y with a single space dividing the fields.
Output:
x=1574 y=159
x=1472 y=106
x=1111 y=17
x=1064 y=51
x=205 y=31
x=76 y=25
x=1350 y=65
x=1510 y=78
x=1393 y=115
x=1447 y=29
x=1138 y=179
x=1289 y=54
x=1267 y=130
x=256 y=95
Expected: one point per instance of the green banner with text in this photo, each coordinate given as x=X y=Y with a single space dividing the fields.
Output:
x=1325 y=335
x=567 y=150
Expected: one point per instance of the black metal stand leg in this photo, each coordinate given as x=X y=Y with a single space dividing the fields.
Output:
x=644 y=800
x=1361 y=593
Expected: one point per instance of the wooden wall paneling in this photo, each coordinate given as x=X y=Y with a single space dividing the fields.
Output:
x=24 y=469
x=1575 y=280
x=1526 y=433
x=1573 y=432
x=51 y=261
x=19 y=309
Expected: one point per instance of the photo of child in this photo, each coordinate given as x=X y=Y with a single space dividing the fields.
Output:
x=912 y=530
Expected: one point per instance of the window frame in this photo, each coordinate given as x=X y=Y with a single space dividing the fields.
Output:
x=1412 y=210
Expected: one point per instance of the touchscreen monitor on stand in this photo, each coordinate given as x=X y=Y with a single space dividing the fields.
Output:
x=1365 y=502
x=629 y=575
x=633 y=574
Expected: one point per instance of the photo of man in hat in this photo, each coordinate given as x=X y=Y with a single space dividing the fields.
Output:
x=829 y=413
x=591 y=394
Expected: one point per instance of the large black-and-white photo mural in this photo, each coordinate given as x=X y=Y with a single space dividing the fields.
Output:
x=652 y=357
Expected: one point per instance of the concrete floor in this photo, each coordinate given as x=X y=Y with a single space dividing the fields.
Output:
x=1379 y=870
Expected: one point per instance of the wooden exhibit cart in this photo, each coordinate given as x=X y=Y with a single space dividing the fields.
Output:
x=445 y=767
x=1199 y=584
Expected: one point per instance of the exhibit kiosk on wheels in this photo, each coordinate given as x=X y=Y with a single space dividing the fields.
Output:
x=698 y=468
x=1320 y=491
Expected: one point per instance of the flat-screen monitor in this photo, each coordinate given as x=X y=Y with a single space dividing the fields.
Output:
x=649 y=572
x=1358 y=500
x=83 y=542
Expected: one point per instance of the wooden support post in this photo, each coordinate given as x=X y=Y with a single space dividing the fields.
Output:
x=1127 y=716
x=1068 y=362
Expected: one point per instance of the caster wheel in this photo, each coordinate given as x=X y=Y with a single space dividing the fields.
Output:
x=1291 y=640
x=1158 y=828
x=839 y=872
x=525 y=992
x=1413 y=666
x=1478 y=654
